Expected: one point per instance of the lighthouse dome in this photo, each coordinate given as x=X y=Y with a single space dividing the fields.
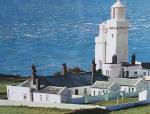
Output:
x=118 y=4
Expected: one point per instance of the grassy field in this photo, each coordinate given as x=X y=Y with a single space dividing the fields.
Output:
x=27 y=110
x=114 y=102
x=139 y=110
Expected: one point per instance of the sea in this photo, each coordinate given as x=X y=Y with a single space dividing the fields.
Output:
x=48 y=33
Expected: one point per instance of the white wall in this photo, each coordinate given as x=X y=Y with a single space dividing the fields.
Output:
x=100 y=45
x=49 y=98
x=17 y=93
x=143 y=95
x=118 y=44
x=97 y=91
x=133 y=69
x=66 y=96
x=115 y=70
x=113 y=91
x=81 y=90
x=146 y=72
x=111 y=70
x=128 y=89
x=63 y=96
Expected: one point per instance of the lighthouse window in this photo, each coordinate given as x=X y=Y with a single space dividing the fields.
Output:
x=114 y=13
x=135 y=73
x=112 y=35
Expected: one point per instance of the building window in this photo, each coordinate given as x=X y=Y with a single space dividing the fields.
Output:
x=103 y=91
x=40 y=97
x=129 y=89
x=132 y=89
x=99 y=92
x=25 y=97
x=46 y=97
x=76 y=92
x=135 y=73
x=107 y=72
x=94 y=92
x=123 y=73
x=144 y=73
x=127 y=74
x=112 y=35
x=85 y=91
x=125 y=90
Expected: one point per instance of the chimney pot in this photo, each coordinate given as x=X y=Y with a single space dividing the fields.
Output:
x=133 y=59
x=93 y=72
x=64 y=69
x=34 y=74
x=114 y=59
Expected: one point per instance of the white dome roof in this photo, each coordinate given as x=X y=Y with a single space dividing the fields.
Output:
x=117 y=4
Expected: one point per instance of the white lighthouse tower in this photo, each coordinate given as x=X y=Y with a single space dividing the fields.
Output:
x=112 y=42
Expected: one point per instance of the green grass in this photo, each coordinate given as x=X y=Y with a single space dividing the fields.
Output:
x=114 y=102
x=4 y=83
x=139 y=110
x=28 y=110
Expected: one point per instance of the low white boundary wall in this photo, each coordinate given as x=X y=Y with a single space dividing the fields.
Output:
x=47 y=105
x=127 y=105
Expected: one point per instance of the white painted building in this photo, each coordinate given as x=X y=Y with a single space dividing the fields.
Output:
x=111 y=70
x=102 y=88
x=18 y=93
x=52 y=94
x=49 y=94
x=130 y=87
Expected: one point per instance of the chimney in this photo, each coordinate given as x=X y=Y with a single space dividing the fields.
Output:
x=93 y=72
x=114 y=59
x=34 y=74
x=64 y=69
x=37 y=84
x=133 y=59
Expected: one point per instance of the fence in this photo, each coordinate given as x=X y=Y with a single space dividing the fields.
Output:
x=92 y=99
x=47 y=105
x=130 y=94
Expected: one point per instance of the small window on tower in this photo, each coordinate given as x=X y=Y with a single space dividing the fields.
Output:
x=112 y=35
x=114 y=13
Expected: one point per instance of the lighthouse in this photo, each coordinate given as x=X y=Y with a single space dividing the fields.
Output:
x=111 y=45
